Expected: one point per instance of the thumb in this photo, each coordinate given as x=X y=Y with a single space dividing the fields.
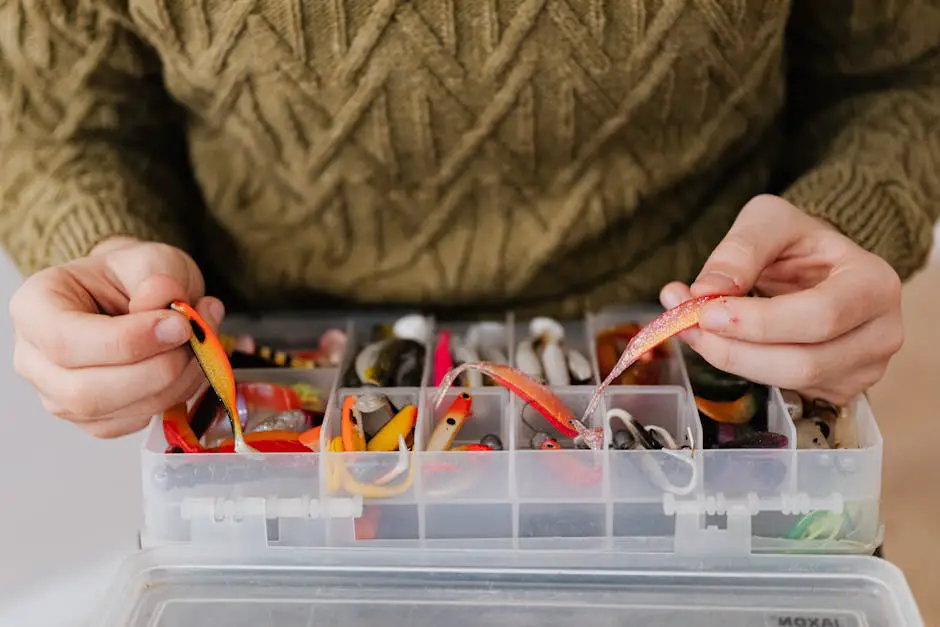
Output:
x=152 y=275
x=762 y=231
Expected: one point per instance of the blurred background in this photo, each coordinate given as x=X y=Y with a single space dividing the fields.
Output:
x=70 y=505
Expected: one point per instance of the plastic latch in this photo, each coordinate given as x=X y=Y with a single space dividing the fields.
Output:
x=694 y=537
x=244 y=521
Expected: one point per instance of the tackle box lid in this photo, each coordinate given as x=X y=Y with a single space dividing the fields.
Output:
x=190 y=587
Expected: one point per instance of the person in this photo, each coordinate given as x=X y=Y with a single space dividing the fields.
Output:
x=462 y=157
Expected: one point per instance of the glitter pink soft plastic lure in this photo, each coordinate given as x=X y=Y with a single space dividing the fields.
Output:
x=671 y=322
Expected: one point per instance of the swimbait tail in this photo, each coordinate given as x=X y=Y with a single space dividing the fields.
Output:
x=178 y=432
x=215 y=364
x=671 y=322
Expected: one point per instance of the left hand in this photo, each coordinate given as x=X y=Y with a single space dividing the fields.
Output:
x=827 y=321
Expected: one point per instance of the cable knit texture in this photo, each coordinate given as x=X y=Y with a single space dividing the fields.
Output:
x=547 y=155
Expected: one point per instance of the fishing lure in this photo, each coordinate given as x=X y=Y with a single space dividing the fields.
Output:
x=379 y=489
x=464 y=353
x=266 y=442
x=644 y=443
x=554 y=363
x=400 y=425
x=527 y=361
x=448 y=427
x=534 y=393
x=671 y=322
x=215 y=364
x=565 y=467
x=442 y=358
x=579 y=366
x=354 y=439
x=736 y=412
x=311 y=438
x=178 y=432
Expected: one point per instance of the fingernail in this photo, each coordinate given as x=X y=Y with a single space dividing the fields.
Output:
x=172 y=330
x=216 y=310
x=715 y=283
x=670 y=299
x=714 y=317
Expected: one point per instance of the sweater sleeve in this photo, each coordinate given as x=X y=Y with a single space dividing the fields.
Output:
x=863 y=140
x=89 y=140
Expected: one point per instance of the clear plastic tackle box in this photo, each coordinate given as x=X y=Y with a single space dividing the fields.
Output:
x=520 y=535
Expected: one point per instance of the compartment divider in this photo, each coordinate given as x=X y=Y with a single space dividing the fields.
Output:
x=779 y=419
x=590 y=330
x=425 y=414
x=324 y=461
x=512 y=447
x=427 y=377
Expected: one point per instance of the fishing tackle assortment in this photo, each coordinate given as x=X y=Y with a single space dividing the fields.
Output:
x=371 y=445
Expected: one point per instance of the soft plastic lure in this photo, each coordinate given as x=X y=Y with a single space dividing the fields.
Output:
x=672 y=322
x=354 y=439
x=737 y=412
x=215 y=364
x=311 y=438
x=448 y=427
x=379 y=488
x=267 y=442
x=541 y=398
x=400 y=424
x=442 y=359
x=178 y=432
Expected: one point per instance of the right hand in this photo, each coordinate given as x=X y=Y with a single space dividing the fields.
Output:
x=95 y=338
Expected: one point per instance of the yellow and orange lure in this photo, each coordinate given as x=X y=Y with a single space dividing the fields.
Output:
x=218 y=370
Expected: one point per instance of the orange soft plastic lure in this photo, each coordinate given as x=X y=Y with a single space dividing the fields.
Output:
x=530 y=390
x=267 y=442
x=446 y=430
x=672 y=322
x=178 y=432
x=215 y=364
x=354 y=439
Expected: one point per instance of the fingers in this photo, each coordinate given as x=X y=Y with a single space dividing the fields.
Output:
x=59 y=325
x=837 y=368
x=765 y=227
x=157 y=292
x=71 y=339
x=154 y=274
x=832 y=308
x=109 y=393
x=843 y=301
x=99 y=390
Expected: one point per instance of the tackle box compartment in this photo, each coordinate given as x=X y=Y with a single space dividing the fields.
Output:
x=641 y=537
x=709 y=501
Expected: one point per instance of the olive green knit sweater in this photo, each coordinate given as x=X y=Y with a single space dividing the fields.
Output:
x=542 y=154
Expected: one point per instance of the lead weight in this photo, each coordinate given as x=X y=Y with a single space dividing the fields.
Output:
x=492 y=440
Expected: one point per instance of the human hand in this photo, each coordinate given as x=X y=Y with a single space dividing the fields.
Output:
x=827 y=321
x=96 y=340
